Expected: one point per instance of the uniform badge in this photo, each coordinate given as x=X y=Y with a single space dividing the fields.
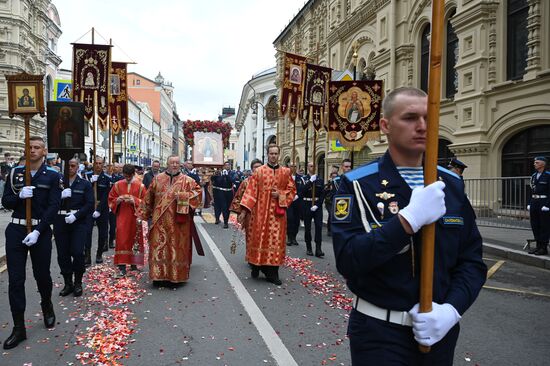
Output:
x=393 y=207
x=384 y=182
x=342 y=208
x=385 y=195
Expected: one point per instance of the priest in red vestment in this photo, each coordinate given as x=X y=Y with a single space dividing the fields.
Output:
x=170 y=201
x=269 y=192
x=125 y=199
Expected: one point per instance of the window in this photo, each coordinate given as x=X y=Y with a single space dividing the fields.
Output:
x=516 y=51
x=451 y=77
x=138 y=82
x=424 y=58
x=444 y=155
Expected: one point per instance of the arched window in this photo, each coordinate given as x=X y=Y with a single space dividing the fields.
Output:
x=444 y=155
x=451 y=79
x=519 y=151
x=516 y=51
x=320 y=165
x=424 y=58
x=49 y=88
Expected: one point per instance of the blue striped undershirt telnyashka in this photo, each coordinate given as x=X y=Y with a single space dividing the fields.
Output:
x=414 y=176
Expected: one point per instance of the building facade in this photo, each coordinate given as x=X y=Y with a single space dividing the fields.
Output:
x=256 y=119
x=495 y=99
x=140 y=143
x=29 y=32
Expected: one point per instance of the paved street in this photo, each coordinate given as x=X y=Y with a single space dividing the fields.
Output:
x=223 y=317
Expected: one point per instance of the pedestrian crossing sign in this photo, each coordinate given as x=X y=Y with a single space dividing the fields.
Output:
x=63 y=90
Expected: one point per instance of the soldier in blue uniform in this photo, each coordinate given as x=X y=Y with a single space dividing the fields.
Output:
x=45 y=194
x=312 y=209
x=70 y=226
x=539 y=207
x=222 y=189
x=101 y=182
x=378 y=214
x=190 y=171
x=294 y=211
x=115 y=177
x=457 y=167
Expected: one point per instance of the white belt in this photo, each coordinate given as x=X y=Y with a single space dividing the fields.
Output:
x=392 y=316
x=539 y=196
x=310 y=199
x=34 y=222
x=223 y=189
x=67 y=212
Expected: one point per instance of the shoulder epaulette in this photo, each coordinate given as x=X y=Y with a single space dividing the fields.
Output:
x=441 y=169
x=19 y=167
x=108 y=176
x=51 y=169
x=362 y=171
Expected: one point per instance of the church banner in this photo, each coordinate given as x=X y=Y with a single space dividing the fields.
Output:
x=118 y=98
x=315 y=95
x=354 y=111
x=292 y=85
x=91 y=63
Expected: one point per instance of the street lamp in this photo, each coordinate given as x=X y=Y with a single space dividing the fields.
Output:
x=255 y=112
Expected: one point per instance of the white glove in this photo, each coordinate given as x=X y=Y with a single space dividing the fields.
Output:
x=94 y=178
x=427 y=204
x=314 y=208
x=66 y=193
x=26 y=192
x=430 y=328
x=528 y=207
x=69 y=219
x=295 y=197
x=31 y=238
x=545 y=209
x=313 y=178
x=96 y=214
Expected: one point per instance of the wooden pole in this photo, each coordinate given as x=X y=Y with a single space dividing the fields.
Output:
x=28 y=212
x=430 y=158
x=313 y=155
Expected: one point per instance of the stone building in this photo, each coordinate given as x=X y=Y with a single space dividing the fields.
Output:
x=495 y=98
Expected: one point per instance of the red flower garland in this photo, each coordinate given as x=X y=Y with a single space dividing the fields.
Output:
x=189 y=127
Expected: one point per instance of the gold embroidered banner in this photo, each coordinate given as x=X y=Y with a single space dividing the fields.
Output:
x=354 y=111
x=291 y=90
x=118 y=98
x=91 y=64
x=315 y=95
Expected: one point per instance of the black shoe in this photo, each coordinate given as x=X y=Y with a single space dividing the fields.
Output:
x=225 y=226
x=98 y=259
x=309 y=251
x=541 y=252
x=69 y=286
x=78 y=284
x=158 y=283
x=217 y=222
x=274 y=280
x=47 y=312
x=318 y=252
x=255 y=273
x=19 y=334
x=87 y=258
x=111 y=244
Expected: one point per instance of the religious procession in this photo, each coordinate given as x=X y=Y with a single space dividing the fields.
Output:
x=378 y=196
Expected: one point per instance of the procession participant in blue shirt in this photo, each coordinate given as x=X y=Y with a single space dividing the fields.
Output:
x=222 y=189
x=294 y=211
x=70 y=226
x=100 y=214
x=45 y=193
x=115 y=177
x=312 y=209
x=378 y=214
x=539 y=207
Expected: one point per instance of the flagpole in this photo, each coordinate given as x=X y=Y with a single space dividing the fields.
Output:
x=430 y=158
x=94 y=153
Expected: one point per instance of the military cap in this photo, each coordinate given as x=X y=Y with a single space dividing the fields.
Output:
x=541 y=158
x=457 y=164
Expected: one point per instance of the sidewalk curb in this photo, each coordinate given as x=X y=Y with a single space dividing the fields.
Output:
x=517 y=255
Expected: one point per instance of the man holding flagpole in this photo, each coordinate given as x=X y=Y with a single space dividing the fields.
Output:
x=377 y=217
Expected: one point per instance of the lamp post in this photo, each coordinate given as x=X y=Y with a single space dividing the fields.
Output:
x=255 y=111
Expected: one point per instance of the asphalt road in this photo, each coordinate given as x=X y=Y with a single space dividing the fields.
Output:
x=302 y=322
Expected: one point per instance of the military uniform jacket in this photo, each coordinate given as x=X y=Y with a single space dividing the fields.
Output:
x=115 y=178
x=319 y=190
x=332 y=188
x=223 y=181
x=46 y=196
x=381 y=264
x=82 y=198
x=300 y=185
x=541 y=187
x=103 y=188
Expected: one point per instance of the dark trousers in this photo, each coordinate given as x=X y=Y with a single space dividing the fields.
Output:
x=377 y=342
x=540 y=223
x=222 y=201
x=112 y=227
x=293 y=215
x=70 y=244
x=317 y=218
x=102 y=223
x=16 y=259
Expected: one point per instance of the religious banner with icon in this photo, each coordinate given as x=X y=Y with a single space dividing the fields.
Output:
x=66 y=127
x=292 y=85
x=118 y=98
x=91 y=64
x=25 y=94
x=354 y=111
x=315 y=95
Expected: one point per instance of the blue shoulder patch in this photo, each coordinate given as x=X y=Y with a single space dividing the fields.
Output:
x=441 y=169
x=108 y=176
x=19 y=167
x=362 y=171
x=51 y=169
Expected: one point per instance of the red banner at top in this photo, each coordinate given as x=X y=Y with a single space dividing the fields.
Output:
x=316 y=81
x=118 y=100
x=91 y=63
x=292 y=86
